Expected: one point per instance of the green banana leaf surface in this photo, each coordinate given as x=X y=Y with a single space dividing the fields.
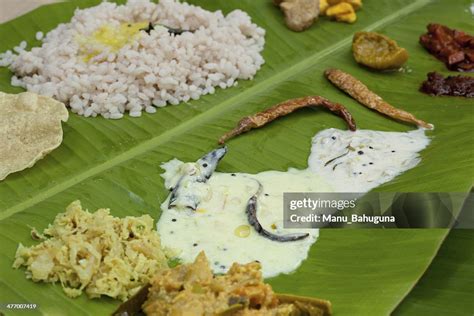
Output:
x=115 y=163
x=446 y=288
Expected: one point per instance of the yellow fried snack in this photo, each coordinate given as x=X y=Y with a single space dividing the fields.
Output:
x=323 y=5
x=342 y=12
x=94 y=252
x=30 y=128
x=356 y=4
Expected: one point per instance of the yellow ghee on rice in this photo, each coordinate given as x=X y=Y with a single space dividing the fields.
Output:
x=116 y=38
x=110 y=38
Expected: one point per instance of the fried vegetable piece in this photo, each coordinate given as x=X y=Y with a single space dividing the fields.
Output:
x=356 y=4
x=299 y=14
x=323 y=5
x=436 y=84
x=192 y=289
x=262 y=118
x=30 y=128
x=363 y=95
x=454 y=48
x=342 y=12
x=377 y=51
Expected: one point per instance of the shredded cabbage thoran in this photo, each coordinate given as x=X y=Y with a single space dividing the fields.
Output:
x=94 y=252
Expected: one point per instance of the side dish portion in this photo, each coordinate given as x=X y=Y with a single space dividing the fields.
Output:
x=362 y=160
x=94 y=252
x=299 y=14
x=459 y=86
x=238 y=217
x=219 y=224
x=341 y=10
x=302 y=14
x=192 y=289
x=377 y=51
x=453 y=47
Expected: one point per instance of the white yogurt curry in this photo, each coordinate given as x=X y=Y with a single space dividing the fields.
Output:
x=209 y=210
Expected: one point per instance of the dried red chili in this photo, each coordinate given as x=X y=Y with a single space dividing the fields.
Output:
x=262 y=118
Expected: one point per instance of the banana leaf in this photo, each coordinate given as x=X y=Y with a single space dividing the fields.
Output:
x=115 y=164
x=446 y=287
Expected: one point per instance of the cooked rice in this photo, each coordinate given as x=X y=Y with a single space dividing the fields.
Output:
x=152 y=71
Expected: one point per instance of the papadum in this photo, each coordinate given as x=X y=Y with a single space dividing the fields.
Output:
x=30 y=128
